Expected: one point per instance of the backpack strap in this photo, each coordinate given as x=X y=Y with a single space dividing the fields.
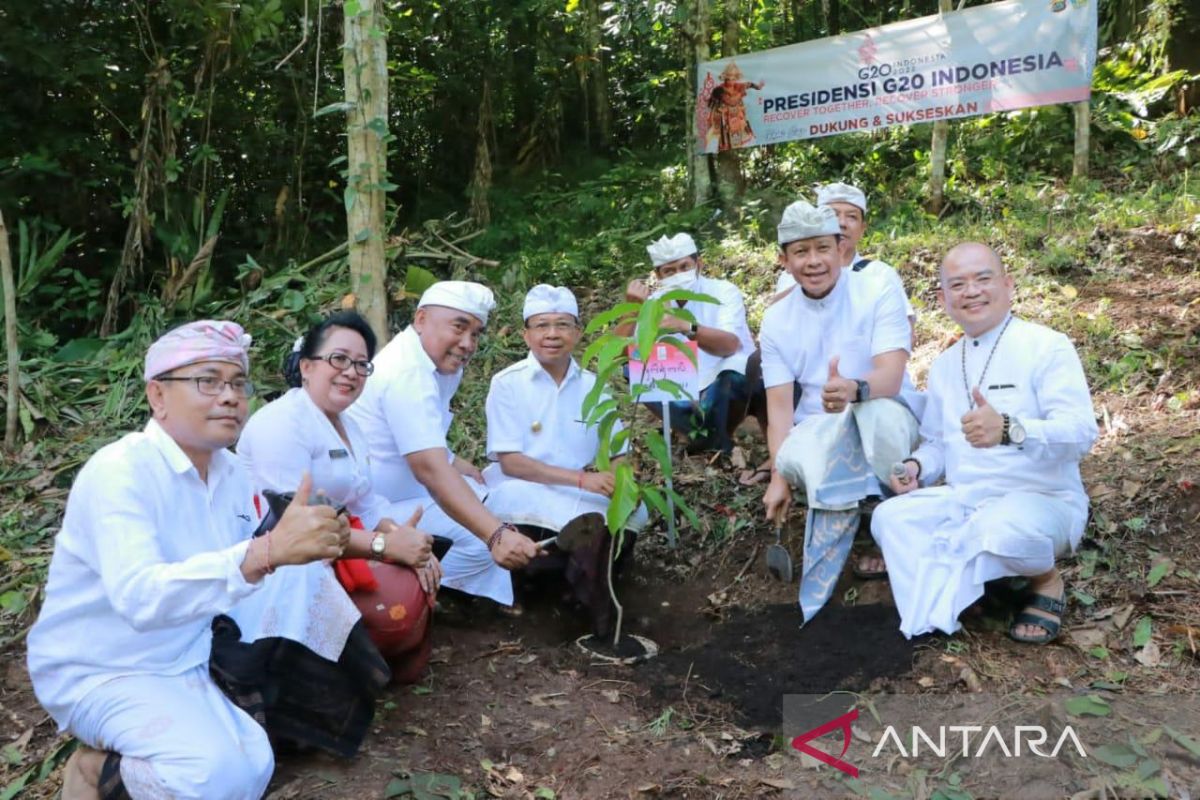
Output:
x=860 y=265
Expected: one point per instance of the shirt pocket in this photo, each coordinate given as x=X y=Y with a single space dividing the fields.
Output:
x=1011 y=397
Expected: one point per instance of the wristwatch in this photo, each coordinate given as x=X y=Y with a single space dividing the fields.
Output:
x=864 y=391
x=1013 y=431
x=694 y=329
x=378 y=545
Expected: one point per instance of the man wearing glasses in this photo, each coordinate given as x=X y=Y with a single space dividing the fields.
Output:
x=543 y=455
x=156 y=543
x=404 y=411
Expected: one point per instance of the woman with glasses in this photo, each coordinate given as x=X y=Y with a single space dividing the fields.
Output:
x=306 y=430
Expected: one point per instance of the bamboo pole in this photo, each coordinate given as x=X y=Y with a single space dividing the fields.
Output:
x=1083 y=122
x=10 y=339
x=937 y=149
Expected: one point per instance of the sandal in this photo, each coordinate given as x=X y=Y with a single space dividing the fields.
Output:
x=868 y=574
x=1050 y=625
x=754 y=477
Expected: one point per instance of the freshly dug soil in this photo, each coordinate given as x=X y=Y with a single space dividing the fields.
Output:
x=758 y=655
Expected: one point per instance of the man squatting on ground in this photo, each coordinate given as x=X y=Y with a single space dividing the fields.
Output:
x=542 y=476
x=156 y=543
x=1007 y=421
x=404 y=412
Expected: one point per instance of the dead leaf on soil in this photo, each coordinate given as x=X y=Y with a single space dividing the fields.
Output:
x=777 y=783
x=1130 y=488
x=650 y=788
x=738 y=458
x=611 y=695
x=1121 y=617
x=551 y=700
x=925 y=682
x=1085 y=638
x=1149 y=656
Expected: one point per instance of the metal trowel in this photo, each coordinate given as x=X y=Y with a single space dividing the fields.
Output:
x=779 y=561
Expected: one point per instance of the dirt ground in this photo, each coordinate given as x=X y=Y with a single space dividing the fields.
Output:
x=513 y=708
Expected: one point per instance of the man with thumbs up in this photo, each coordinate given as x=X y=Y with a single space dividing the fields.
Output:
x=843 y=337
x=156 y=546
x=1008 y=419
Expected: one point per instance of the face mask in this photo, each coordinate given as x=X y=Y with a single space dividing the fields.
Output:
x=680 y=280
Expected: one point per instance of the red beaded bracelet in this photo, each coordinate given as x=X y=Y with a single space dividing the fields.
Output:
x=494 y=539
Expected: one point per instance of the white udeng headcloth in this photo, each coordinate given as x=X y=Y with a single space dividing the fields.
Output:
x=666 y=250
x=841 y=193
x=547 y=299
x=473 y=298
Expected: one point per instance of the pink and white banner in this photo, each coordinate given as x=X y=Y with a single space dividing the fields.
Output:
x=994 y=57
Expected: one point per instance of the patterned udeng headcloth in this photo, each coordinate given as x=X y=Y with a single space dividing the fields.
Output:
x=206 y=340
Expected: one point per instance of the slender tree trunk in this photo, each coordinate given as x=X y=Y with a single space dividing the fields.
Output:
x=731 y=183
x=598 y=75
x=10 y=339
x=937 y=149
x=481 y=181
x=699 y=168
x=1083 y=123
x=364 y=63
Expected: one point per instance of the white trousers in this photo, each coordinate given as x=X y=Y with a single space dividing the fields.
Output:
x=521 y=502
x=940 y=553
x=468 y=567
x=179 y=737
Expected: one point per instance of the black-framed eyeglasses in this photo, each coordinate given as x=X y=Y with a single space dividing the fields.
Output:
x=212 y=386
x=340 y=361
x=563 y=326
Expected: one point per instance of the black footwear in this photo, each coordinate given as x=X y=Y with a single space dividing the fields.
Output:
x=1051 y=625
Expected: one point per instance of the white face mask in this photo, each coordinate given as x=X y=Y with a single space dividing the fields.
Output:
x=680 y=280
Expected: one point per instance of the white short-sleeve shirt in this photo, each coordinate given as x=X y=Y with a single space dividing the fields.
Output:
x=527 y=412
x=290 y=436
x=874 y=266
x=862 y=317
x=147 y=555
x=729 y=314
x=404 y=409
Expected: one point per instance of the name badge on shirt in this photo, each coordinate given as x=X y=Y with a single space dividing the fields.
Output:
x=339 y=453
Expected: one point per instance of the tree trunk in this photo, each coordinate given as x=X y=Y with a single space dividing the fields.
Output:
x=937 y=149
x=10 y=340
x=481 y=181
x=598 y=75
x=731 y=183
x=699 y=169
x=364 y=63
x=1083 y=122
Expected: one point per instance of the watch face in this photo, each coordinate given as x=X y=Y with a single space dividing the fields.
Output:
x=378 y=544
x=1016 y=433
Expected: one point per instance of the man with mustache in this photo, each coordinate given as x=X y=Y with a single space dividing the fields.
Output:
x=722 y=337
x=404 y=412
x=844 y=339
x=543 y=475
x=1009 y=418
x=154 y=555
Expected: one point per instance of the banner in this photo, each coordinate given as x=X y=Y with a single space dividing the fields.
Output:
x=995 y=57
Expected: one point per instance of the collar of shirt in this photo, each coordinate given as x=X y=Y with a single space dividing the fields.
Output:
x=178 y=461
x=538 y=370
x=819 y=304
x=414 y=351
x=988 y=338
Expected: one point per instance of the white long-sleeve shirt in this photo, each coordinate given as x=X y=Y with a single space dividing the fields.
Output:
x=290 y=436
x=1035 y=376
x=148 y=554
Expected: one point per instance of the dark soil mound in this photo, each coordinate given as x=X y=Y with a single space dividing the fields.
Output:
x=756 y=656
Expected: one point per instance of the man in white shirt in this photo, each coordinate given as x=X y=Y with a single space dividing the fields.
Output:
x=155 y=544
x=404 y=412
x=543 y=475
x=849 y=203
x=720 y=332
x=1008 y=419
x=844 y=339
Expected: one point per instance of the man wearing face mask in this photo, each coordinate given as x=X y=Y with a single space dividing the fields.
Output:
x=844 y=339
x=404 y=412
x=720 y=332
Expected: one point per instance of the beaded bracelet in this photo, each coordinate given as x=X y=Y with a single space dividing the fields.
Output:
x=494 y=539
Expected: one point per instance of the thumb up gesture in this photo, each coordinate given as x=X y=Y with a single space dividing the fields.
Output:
x=982 y=426
x=838 y=392
x=307 y=532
